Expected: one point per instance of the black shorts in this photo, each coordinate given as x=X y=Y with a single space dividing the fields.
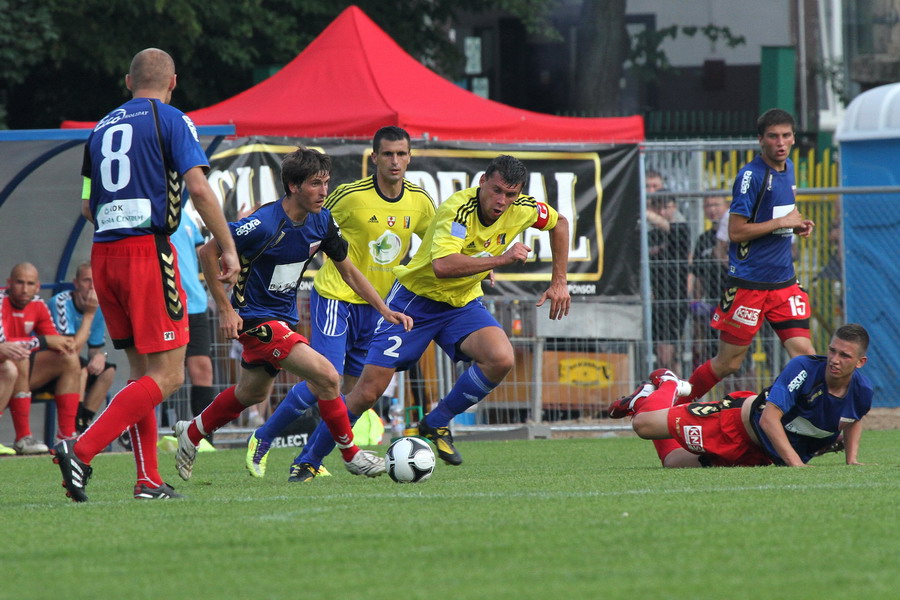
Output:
x=201 y=341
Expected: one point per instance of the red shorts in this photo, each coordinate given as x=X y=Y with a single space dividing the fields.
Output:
x=716 y=432
x=268 y=344
x=740 y=314
x=137 y=283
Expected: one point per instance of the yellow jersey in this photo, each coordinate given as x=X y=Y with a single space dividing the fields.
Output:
x=378 y=230
x=457 y=229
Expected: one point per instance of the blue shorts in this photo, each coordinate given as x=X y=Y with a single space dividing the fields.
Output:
x=445 y=324
x=342 y=332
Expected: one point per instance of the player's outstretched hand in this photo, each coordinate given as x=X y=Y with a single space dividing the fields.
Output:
x=399 y=318
x=560 y=301
x=230 y=267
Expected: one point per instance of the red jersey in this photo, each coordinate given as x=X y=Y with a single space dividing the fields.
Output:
x=25 y=324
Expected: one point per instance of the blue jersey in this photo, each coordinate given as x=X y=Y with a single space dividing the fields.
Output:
x=134 y=158
x=273 y=251
x=186 y=239
x=68 y=318
x=761 y=193
x=812 y=417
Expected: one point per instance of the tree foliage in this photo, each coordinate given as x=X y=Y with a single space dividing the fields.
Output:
x=66 y=59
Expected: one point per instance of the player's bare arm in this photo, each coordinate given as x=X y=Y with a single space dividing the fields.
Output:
x=229 y=321
x=359 y=284
x=770 y=422
x=852 y=432
x=207 y=205
x=740 y=229
x=558 y=292
x=460 y=265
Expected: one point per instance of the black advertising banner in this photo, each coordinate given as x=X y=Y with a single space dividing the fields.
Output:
x=595 y=187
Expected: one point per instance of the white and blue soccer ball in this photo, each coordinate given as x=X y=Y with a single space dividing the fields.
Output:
x=410 y=460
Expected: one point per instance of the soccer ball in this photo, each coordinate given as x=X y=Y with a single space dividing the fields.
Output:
x=410 y=460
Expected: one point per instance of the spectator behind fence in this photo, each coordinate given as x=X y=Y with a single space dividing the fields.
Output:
x=669 y=246
x=75 y=313
x=342 y=324
x=134 y=208
x=198 y=359
x=707 y=274
x=26 y=319
x=761 y=282
x=276 y=242
x=815 y=405
x=474 y=232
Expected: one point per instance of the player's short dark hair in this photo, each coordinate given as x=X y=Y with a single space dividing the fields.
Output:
x=856 y=333
x=510 y=168
x=391 y=133
x=301 y=164
x=774 y=116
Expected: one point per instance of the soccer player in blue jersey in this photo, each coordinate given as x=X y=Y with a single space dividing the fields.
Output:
x=761 y=285
x=473 y=232
x=76 y=313
x=275 y=243
x=378 y=215
x=816 y=402
x=134 y=163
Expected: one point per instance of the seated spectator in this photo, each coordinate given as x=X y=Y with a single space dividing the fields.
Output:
x=76 y=314
x=10 y=353
x=26 y=319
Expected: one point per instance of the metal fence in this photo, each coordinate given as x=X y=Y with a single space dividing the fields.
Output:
x=566 y=378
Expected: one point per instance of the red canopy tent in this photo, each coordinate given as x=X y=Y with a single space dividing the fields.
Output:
x=354 y=78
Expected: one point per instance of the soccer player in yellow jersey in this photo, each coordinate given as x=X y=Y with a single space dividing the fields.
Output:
x=473 y=232
x=378 y=216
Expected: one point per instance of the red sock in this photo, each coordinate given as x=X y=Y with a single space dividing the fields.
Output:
x=334 y=413
x=222 y=410
x=128 y=407
x=144 y=437
x=658 y=400
x=702 y=380
x=664 y=448
x=20 y=409
x=66 y=410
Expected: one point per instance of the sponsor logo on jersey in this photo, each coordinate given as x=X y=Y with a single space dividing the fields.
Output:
x=693 y=437
x=745 y=181
x=747 y=316
x=113 y=117
x=797 y=381
x=386 y=249
x=406 y=222
x=248 y=227
x=190 y=125
x=373 y=219
x=169 y=336
x=501 y=239
x=391 y=221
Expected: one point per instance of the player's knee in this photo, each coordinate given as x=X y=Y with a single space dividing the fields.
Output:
x=326 y=383
x=8 y=370
x=643 y=426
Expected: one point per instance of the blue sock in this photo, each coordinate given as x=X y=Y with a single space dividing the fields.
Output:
x=298 y=399
x=469 y=389
x=320 y=443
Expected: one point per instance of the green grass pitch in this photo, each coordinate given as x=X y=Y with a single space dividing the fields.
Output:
x=550 y=519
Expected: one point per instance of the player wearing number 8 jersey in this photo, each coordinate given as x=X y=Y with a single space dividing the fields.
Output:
x=761 y=284
x=134 y=162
